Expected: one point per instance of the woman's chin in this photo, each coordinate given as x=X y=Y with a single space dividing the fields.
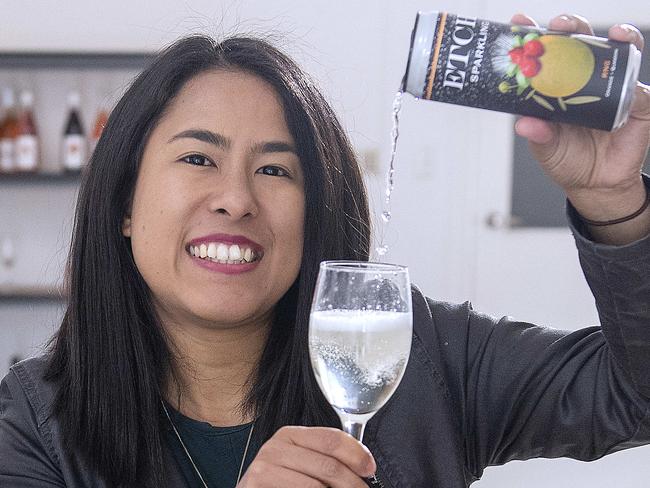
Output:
x=233 y=317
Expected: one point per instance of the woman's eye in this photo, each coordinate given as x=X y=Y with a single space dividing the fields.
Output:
x=197 y=160
x=272 y=171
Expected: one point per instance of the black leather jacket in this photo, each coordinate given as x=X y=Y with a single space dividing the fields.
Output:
x=477 y=391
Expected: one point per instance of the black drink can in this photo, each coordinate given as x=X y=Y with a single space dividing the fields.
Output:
x=558 y=76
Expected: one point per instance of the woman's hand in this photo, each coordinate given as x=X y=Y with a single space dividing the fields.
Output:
x=310 y=457
x=599 y=171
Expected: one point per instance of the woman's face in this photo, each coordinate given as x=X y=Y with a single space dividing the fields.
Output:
x=216 y=222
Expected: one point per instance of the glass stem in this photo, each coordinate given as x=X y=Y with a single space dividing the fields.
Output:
x=355 y=429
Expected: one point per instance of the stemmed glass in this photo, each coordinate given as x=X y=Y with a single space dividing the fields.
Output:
x=360 y=330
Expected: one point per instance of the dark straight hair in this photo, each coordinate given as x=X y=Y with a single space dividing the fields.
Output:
x=110 y=358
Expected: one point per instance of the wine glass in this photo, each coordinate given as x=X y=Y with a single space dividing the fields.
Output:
x=360 y=330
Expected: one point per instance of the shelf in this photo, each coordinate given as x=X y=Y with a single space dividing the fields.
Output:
x=40 y=205
x=20 y=293
x=49 y=178
x=74 y=60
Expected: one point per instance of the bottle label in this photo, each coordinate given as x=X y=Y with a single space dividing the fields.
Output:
x=74 y=151
x=6 y=154
x=26 y=153
x=557 y=76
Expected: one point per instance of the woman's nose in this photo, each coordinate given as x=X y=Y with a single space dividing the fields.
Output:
x=234 y=197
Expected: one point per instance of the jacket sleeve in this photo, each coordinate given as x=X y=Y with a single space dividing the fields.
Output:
x=526 y=391
x=25 y=460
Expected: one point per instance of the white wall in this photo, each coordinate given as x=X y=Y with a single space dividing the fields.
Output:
x=453 y=165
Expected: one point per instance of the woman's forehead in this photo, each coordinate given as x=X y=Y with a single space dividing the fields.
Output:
x=227 y=97
x=235 y=86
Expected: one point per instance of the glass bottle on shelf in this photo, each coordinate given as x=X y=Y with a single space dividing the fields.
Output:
x=26 y=142
x=8 y=131
x=73 y=148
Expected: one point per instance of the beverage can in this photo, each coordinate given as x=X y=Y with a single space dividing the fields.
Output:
x=558 y=76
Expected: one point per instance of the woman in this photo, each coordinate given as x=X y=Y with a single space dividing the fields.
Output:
x=222 y=179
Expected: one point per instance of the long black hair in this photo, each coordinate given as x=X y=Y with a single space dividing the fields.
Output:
x=110 y=358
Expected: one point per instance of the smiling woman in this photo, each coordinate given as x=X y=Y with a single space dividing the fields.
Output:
x=219 y=184
x=221 y=181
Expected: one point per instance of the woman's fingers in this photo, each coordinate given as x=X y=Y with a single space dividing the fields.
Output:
x=523 y=19
x=262 y=474
x=627 y=33
x=641 y=104
x=306 y=457
x=326 y=469
x=571 y=23
x=536 y=130
x=333 y=443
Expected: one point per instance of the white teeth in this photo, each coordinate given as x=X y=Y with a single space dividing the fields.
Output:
x=234 y=253
x=212 y=250
x=222 y=252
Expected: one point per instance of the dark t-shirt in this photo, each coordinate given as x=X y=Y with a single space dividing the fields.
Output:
x=216 y=451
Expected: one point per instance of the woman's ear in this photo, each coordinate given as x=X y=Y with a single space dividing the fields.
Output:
x=126 y=226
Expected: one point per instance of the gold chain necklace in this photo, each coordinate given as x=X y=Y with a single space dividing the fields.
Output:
x=196 y=469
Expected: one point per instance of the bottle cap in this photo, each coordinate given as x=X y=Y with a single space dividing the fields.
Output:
x=74 y=99
x=26 y=98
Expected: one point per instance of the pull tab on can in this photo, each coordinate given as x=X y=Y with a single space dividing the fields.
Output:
x=558 y=76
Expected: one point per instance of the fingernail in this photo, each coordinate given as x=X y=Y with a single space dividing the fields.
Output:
x=371 y=466
x=630 y=30
x=567 y=20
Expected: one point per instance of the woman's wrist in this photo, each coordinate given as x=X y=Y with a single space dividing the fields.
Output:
x=602 y=205
x=619 y=220
x=616 y=216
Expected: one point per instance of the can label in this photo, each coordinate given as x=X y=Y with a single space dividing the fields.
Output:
x=524 y=70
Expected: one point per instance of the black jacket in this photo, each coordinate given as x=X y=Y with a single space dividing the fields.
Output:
x=476 y=392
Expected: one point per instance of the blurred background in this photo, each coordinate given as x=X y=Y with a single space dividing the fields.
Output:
x=472 y=216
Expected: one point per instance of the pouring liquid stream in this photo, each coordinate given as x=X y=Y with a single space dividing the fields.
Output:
x=382 y=249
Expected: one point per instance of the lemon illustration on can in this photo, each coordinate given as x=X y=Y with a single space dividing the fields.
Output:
x=549 y=68
x=566 y=66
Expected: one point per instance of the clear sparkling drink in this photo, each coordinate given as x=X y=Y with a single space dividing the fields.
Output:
x=359 y=356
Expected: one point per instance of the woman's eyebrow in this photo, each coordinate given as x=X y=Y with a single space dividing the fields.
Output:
x=273 y=147
x=222 y=141
x=203 y=135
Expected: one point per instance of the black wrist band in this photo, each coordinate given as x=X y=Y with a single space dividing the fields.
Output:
x=603 y=223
